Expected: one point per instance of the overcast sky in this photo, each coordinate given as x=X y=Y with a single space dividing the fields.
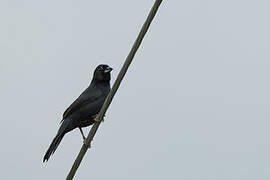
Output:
x=194 y=104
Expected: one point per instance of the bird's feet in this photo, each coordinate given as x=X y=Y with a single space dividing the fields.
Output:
x=84 y=142
x=96 y=118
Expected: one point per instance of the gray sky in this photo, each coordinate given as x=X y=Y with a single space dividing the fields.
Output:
x=194 y=104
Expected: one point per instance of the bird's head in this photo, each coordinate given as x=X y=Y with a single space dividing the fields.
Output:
x=102 y=73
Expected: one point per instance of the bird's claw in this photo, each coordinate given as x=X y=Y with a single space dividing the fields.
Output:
x=84 y=142
x=97 y=120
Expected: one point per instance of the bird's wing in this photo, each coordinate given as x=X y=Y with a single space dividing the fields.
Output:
x=88 y=96
x=74 y=106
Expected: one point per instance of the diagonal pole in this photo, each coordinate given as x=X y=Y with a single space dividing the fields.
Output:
x=116 y=85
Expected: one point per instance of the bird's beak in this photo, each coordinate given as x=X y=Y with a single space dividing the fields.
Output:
x=108 y=69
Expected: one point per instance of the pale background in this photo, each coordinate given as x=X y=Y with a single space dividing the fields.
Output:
x=194 y=104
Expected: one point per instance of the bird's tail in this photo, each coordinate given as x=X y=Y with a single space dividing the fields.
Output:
x=64 y=128
x=56 y=141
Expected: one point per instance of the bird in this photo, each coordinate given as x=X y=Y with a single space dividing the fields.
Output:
x=82 y=112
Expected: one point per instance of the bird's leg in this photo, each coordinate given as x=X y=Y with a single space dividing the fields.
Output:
x=84 y=138
x=82 y=133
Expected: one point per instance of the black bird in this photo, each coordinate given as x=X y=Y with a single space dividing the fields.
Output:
x=83 y=110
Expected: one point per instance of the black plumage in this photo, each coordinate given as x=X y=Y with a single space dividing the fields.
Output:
x=82 y=111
